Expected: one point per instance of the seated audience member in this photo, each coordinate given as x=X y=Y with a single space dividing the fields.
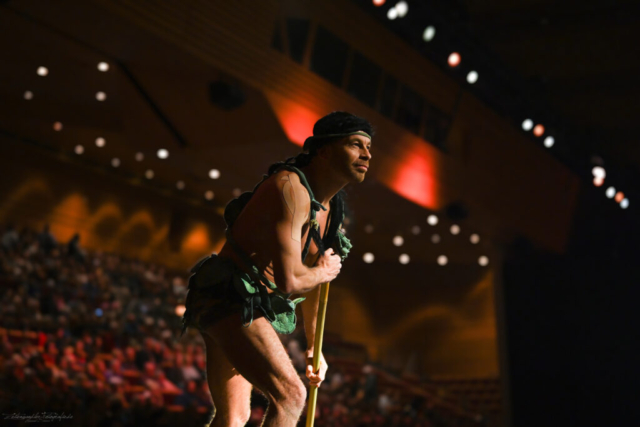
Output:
x=115 y=374
x=190 y=396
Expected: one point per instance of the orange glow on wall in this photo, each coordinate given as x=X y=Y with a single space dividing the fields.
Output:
x=197 y=240
x=296 y=121
x=415 y=177
x=34 y=188
x=74 y=210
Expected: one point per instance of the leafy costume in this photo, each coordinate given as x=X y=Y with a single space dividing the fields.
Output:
x=231 y=288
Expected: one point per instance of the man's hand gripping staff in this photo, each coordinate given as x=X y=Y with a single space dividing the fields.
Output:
x=316 y=371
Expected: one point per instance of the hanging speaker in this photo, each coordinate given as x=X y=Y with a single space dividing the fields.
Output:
x=225 y=95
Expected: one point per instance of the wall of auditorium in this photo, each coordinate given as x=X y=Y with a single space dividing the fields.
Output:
x=109 y=213
x=439 y=322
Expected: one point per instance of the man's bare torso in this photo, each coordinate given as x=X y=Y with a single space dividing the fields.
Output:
x=252 y=227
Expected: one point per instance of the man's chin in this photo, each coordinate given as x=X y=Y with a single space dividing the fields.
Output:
x=358 y=178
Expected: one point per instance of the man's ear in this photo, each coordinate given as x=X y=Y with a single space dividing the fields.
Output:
x=324 y=152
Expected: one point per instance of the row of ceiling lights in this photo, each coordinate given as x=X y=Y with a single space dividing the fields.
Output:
x=402 y=8
x=599 y=174
x=398 y=240
x=442 y=260
x=162 y=153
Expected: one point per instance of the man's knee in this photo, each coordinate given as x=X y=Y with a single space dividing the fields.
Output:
x=293 y=397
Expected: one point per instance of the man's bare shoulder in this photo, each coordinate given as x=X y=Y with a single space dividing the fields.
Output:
x=284 y=188
x=287 y=184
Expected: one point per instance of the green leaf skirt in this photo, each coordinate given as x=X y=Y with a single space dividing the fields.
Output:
x=218 y=288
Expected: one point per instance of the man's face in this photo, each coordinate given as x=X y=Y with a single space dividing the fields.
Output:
x=349 y=155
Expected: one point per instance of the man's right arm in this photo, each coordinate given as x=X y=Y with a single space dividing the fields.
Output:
x=288 y=212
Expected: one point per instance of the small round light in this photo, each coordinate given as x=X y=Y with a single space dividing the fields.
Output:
x=611 y=191
x=368 y=228
x=538 y=130
x=115 y=162
x=42 y=71
x=79 y=149
x=619 y=196
x=208 y=195
x=28 y=95
x=429 y=33
x=549 y=141
x=442 y=260
x=455 y=229
x=472 y=77
x=57 y=126
x=415 y=229
x=100 y=142
x=101 y=96
x=597 y=181
x=435 y=238
x=392 y=13
x=404 y=259
x=368 y=257
x=454 y=59
x=378 y=2
x=103 y=66
x=214 y=174
x=483 y=260
x=398 y=240
x=402 y=7
x=432 y=220
x=139 y=157
x=474 y=238
x=236 y=192
x=180 y=185
x=163 y=153
x=599 y=172
x=527 y=125
x=624 y=204
x=149 y=174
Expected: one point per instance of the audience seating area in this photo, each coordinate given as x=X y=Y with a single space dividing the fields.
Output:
x=95 y=336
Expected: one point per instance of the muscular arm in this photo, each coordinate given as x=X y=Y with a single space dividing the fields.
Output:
x=287 y=213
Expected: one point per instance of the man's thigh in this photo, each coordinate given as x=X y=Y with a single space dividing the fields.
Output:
x=230 y=391
x=258 y=355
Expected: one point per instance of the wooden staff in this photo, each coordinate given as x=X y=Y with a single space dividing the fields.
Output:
x=317 y=350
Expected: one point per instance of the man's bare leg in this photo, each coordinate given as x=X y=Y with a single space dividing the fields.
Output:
x=231 y=393
x=258 y=355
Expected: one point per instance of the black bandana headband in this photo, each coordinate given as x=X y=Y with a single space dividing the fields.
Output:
x=309 y=141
